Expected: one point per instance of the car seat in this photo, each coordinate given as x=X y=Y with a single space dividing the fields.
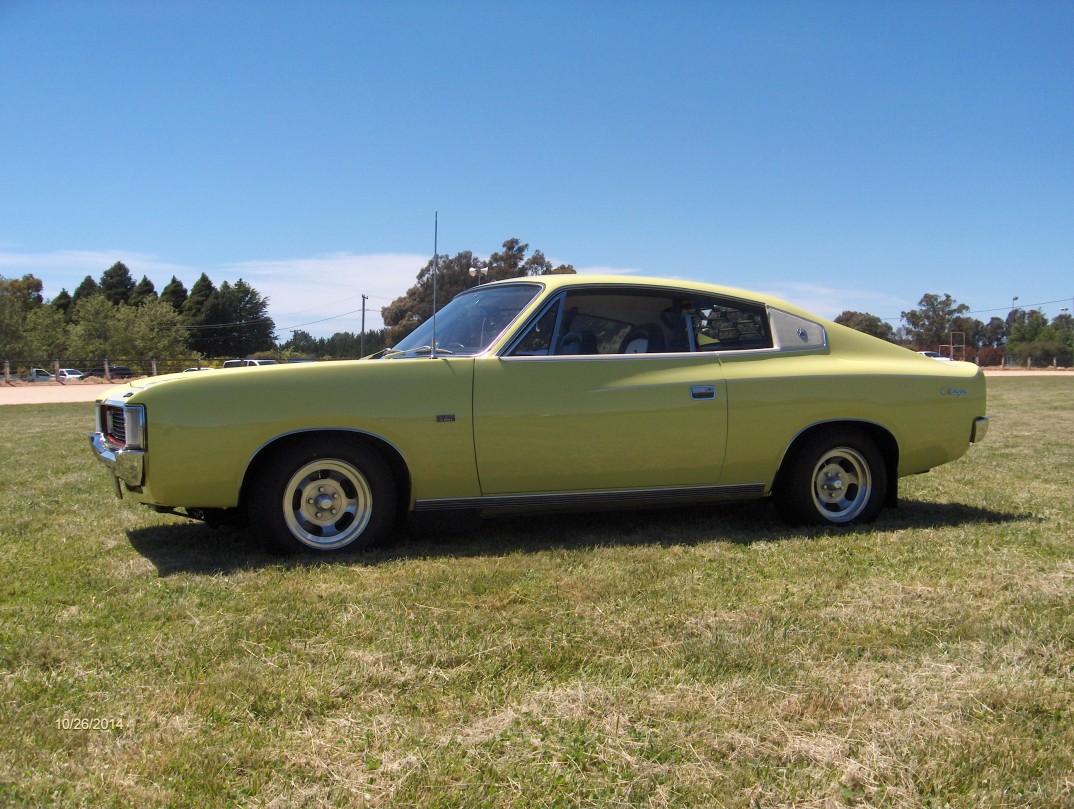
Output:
x=578 y=342
x=647 y=338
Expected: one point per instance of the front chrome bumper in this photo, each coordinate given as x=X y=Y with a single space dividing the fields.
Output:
x=127 y=465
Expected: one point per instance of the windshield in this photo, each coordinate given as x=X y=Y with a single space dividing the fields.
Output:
x=470 y=323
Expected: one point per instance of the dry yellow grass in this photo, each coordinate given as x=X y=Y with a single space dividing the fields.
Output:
x=691 y=657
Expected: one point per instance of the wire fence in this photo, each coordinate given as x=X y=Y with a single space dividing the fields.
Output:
x=1036 y=361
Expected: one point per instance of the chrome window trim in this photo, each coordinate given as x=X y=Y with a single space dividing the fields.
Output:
x=677 y=355
x=520 y=335
x=693 y=351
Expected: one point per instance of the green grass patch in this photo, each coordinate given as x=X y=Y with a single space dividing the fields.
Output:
x=688 y=657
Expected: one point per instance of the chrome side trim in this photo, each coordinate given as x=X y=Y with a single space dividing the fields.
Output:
x=597 y=499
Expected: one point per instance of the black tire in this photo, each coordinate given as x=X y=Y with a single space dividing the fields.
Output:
x=322 y=495
x=835 y=478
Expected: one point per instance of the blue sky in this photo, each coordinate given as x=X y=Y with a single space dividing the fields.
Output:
x=841 y=155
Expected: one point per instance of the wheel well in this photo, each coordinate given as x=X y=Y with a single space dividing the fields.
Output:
x=885 y=442
x=362 y=442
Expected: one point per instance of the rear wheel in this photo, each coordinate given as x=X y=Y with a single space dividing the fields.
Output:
x=834 y=478
x=322 y=495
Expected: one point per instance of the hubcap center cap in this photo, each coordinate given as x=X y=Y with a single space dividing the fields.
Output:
x=833 y=482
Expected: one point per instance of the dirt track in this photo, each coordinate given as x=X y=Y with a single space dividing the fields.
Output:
x=49 y=392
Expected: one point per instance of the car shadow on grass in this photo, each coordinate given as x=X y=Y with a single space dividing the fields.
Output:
x=194 y=548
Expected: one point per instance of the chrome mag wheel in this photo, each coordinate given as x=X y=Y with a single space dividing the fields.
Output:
x=327 y=504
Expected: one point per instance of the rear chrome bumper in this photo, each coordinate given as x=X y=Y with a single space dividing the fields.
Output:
x=980 y=430
x=127 y=465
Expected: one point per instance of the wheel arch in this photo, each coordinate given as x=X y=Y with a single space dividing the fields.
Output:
x=881 y=436
x=364 y=442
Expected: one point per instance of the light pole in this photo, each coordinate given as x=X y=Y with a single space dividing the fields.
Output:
x=1010 y=328
x=361 y=340
x=1065 y=309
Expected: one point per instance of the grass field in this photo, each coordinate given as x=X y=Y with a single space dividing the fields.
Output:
x=702 y=657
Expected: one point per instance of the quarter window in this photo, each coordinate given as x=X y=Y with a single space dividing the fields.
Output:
x=536 y=341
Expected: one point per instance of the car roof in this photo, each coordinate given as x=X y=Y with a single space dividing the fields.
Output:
x=567 y=280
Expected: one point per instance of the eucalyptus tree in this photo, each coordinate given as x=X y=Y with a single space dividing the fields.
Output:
x=867 y=323
x=453 y=275
x=930 y=325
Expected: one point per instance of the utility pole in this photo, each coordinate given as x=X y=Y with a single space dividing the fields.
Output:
x=361 y=340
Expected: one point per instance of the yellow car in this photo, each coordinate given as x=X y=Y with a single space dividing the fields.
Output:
x=553 y=393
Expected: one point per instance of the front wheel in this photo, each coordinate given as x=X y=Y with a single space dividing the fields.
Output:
x=834 y=478
x=324 y=496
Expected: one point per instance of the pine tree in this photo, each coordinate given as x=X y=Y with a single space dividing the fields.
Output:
x=117 y=284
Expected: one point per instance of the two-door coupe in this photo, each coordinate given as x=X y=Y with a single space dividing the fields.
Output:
x=553 y=392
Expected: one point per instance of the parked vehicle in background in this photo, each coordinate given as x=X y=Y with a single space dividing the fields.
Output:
x=932 y=355
x=69 y=374
x=116 y=371
x=39 y=375
x=556 y=392
x=248 y=363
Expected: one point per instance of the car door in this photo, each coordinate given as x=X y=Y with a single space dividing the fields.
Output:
x=548 y=420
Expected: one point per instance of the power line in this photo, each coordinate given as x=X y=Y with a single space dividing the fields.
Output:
x=255 y=321
x=997 y=309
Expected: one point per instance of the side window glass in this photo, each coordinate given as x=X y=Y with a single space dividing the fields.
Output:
x=622 y=322
x=728 y=325
x=607 y=321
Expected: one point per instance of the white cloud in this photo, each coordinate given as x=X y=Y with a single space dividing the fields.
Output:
x=830 y=302
x=603 y=270
x=323 y=294
x=66 y=268
x=318 y=294
x=825 y=301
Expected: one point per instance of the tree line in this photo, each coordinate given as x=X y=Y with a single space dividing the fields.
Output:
x=940 y=323
x=116 y=317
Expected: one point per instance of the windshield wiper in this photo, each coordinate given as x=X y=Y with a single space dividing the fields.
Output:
x=399 y=352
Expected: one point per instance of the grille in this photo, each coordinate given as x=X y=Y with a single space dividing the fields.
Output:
x=115 y=425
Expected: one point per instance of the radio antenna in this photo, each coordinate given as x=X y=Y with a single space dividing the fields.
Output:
x=436 y=272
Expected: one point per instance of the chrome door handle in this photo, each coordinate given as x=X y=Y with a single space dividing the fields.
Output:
x=702 y=391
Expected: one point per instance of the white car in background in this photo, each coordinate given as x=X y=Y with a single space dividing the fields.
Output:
x=67 y=374
x=933 y=355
